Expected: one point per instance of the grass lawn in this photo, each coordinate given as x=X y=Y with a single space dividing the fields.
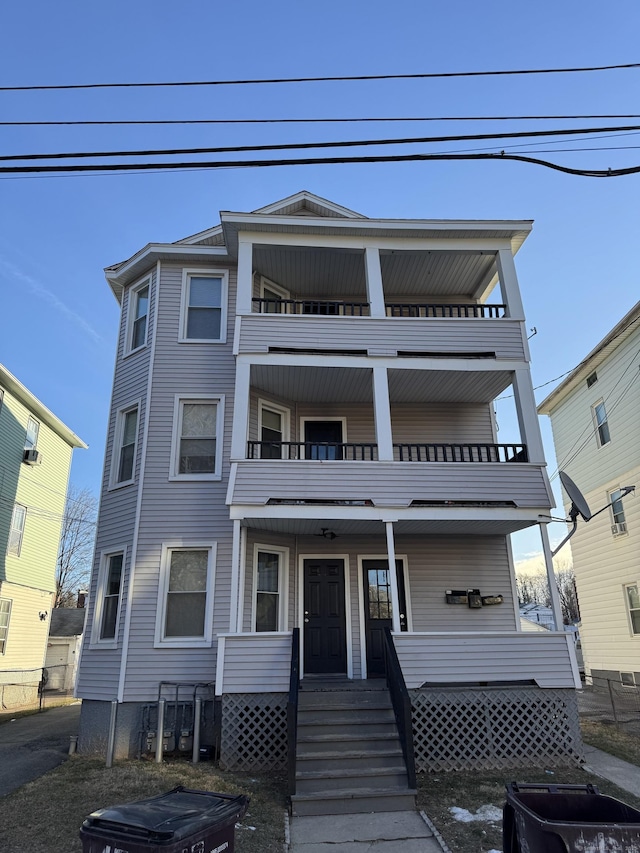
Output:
x=45 y=816
x=438 y=792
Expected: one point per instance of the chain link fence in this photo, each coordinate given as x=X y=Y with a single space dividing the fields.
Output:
x=611 y=700
x=26 y=689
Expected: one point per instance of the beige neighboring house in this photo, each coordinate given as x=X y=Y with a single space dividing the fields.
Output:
x=35 y=459
x=595 y=417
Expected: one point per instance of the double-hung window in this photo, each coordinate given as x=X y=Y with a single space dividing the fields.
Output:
x=16 y=530
x=632 y=591
x=185 y=614
x=197 y=444
x=273 y=423
x=269 y=595
x=5 y=615
x=31 y=438
x=601 y=422
x=204 y=306
x=126 y=439
x=105 y=628
x=138 y=317
x=617 y=512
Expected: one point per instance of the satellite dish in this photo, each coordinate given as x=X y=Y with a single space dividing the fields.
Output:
x=579 y=506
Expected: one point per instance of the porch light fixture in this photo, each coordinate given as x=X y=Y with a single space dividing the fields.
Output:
x=328 y=534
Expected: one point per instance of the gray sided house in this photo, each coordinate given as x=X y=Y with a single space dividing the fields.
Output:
x=302 y=447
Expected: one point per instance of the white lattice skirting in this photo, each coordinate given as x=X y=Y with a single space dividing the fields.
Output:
x=495 y=728
x=254 y=731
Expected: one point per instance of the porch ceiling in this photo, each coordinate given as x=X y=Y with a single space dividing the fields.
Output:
x=364 y=527
x=354 y=385
x=333 y=273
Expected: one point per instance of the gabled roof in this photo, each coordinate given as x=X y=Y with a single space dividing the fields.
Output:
x=304 y=213
x=9 y=382
x=620 y=332
x=303 y=203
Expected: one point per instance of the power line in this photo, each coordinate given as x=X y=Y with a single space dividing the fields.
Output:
x=319 y=161
x=178 y=121
x=338 y=78
x=351 y=143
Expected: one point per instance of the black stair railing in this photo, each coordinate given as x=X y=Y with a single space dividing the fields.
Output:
x=292 y=709
x=401 y=702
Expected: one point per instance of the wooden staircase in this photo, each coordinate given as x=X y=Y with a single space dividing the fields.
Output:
x=349 y=757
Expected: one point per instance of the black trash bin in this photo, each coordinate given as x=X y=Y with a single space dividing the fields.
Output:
x=180 y=821
x=567 y=819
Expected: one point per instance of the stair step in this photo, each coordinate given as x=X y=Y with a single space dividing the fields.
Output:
x=354 y=801
x=363 y=761
x=370 y=779
x=344 y=704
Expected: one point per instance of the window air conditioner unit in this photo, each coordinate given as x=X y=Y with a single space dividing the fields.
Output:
x=617 y=529
x=32 y=457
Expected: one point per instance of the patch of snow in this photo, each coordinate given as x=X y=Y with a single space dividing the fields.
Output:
x=487 y=814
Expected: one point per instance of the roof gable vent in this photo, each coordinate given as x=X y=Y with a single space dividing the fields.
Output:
x=592 y=379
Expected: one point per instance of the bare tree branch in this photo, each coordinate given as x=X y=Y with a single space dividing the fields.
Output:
x=76 y=545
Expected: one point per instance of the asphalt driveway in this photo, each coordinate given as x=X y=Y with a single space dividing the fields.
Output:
x=30 y=746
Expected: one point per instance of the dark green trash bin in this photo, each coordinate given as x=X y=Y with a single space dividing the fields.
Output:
x=180 y=821
x=567 y=819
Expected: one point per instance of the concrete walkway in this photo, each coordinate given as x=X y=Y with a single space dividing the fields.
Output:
x=621 y=773
x=382 y=832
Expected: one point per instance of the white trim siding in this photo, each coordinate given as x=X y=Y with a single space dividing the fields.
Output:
x=204 y=637
x=179 y=402
x=99 y=612
x=203 y=273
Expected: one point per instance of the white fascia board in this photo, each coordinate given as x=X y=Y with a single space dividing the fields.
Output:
x=13 y=385
x=510 y=228
x=305 y=195
x=478 y=365
x=385 y=514
x=129 y=270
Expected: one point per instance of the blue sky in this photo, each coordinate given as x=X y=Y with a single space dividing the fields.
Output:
x=578 y=269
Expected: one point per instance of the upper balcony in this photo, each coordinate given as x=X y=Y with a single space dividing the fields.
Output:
x=380 y=302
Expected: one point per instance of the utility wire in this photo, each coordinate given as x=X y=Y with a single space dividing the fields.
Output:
x=171 y=121
x=339 y=78
x=353 y=143
x=302 y=161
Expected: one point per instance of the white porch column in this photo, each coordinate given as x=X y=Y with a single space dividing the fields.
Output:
x=509 y=284
x=240 y=411
x=527 y=415
x=373 y=275
x=234 y=598
x=241 y=579
x=551 y=577
x=245 y=277
x=382 y=414
x=393 y=577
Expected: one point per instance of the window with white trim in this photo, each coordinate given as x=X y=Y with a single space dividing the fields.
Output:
x=108 y=599
x=126 y=440
x=273 y=427
x=204 y=306
x=185 y=614
x=5 y=616
x=601 y=422
x=198 y=428
x=633 y=606
x=31 y=438
x=138 y=316
x=617 y=510
x=269 y=598
x=16 y=531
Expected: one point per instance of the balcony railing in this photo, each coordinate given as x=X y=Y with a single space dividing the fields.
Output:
x=320 y=450
x=336 y=451
x=461 y=452
x=331 y=307
x=339 y=308
x=420 y=309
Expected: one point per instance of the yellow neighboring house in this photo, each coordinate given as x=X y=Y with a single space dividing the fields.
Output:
x=35 y=458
